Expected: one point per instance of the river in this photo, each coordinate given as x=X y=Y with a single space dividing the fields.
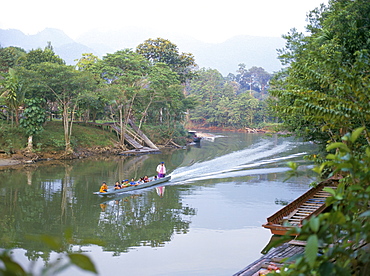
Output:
x=205 y=221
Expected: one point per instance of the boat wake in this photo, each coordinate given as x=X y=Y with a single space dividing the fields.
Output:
x=249 y=161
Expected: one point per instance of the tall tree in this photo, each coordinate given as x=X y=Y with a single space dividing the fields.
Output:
x=160 y=79
x=162 y=50
x=124 y=74
x=325 y=87
x=64 y=85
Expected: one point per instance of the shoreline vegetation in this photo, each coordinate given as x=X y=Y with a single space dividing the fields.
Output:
x=106 y=146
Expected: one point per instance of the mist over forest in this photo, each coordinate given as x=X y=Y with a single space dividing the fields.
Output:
x=225 y=56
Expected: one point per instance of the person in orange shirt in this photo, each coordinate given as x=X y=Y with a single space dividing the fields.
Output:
x=103 y=188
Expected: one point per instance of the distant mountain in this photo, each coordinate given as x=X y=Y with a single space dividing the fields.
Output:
x=225 y=56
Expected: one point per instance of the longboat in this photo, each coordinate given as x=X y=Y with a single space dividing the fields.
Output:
x=303 y=208
x=111 y=191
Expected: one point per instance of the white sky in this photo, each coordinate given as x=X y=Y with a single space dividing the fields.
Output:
x=206 y=20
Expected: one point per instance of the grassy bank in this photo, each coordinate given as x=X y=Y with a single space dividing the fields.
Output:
x=14 y=139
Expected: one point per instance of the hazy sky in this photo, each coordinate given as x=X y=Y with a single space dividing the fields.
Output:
x=206 y=20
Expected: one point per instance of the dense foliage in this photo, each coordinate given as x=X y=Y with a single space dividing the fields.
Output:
x=324 y=91
x=337 y=241
x=323 y=96
x=236 y=101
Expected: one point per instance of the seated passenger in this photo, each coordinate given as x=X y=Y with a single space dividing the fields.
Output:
x=125 y=183
x=117 y=186
x=146 y=179
x=103 y=188
x=133 y=183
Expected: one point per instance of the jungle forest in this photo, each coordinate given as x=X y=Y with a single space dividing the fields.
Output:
x=321 y=96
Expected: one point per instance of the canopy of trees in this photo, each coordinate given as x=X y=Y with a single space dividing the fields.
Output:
x=324 y=92
x=145 y=86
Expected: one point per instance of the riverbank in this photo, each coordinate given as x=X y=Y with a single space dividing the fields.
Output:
x=91 y=141
x=9 y=162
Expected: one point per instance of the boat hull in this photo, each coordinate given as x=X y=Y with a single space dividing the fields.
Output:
x=112 y=191
x=311 y=203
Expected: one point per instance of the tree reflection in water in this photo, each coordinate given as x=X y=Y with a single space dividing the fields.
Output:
x=56 y=197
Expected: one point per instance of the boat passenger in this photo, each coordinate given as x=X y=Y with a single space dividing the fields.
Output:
x=133 y=183
x=161 y=170
x=103 y=188
x=117 y=186
x=146 y=179
x=155 y=177
x=125 y=183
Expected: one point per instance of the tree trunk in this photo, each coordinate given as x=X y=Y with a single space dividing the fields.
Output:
x=122 y=128
x=145 y=112
x=68 y=147
x=30 y=143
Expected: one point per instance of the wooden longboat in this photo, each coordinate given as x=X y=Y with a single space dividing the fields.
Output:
x=307 y=205
x=111 y=191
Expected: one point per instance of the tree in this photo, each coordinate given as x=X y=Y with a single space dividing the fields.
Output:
x=325 y=88
x=39 y=56
x=65 y=85
x=208 y=89
x=336 y=240
x=13 y=91
x=162 y=50
x=124 y=74
x=160 y=79
x=86 y=62
x=9 y=57
x=34 y=116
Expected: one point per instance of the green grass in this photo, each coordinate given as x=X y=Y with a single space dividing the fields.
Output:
x=52 y=138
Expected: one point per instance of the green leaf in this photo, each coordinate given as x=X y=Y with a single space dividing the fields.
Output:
x=292 y=165
x=11 y=265
x=329 y=190
x=356 y=133
x=338 y=145
x=356 y=188
x=314 y=224
x=331 y=156
x=311 y=250
x=82 y=262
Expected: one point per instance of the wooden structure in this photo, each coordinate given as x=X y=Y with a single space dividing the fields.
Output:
x=274 y=259
x=133 y=136
x=309 y=204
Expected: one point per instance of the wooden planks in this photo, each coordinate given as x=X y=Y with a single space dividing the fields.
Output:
x=309 y=204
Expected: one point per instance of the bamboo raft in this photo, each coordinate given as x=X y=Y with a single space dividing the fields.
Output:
x=309 y=204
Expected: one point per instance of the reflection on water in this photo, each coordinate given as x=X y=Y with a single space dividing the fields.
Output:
x=219 y=196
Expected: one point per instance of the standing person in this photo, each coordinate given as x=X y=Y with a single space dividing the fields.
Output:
x=161 y=170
